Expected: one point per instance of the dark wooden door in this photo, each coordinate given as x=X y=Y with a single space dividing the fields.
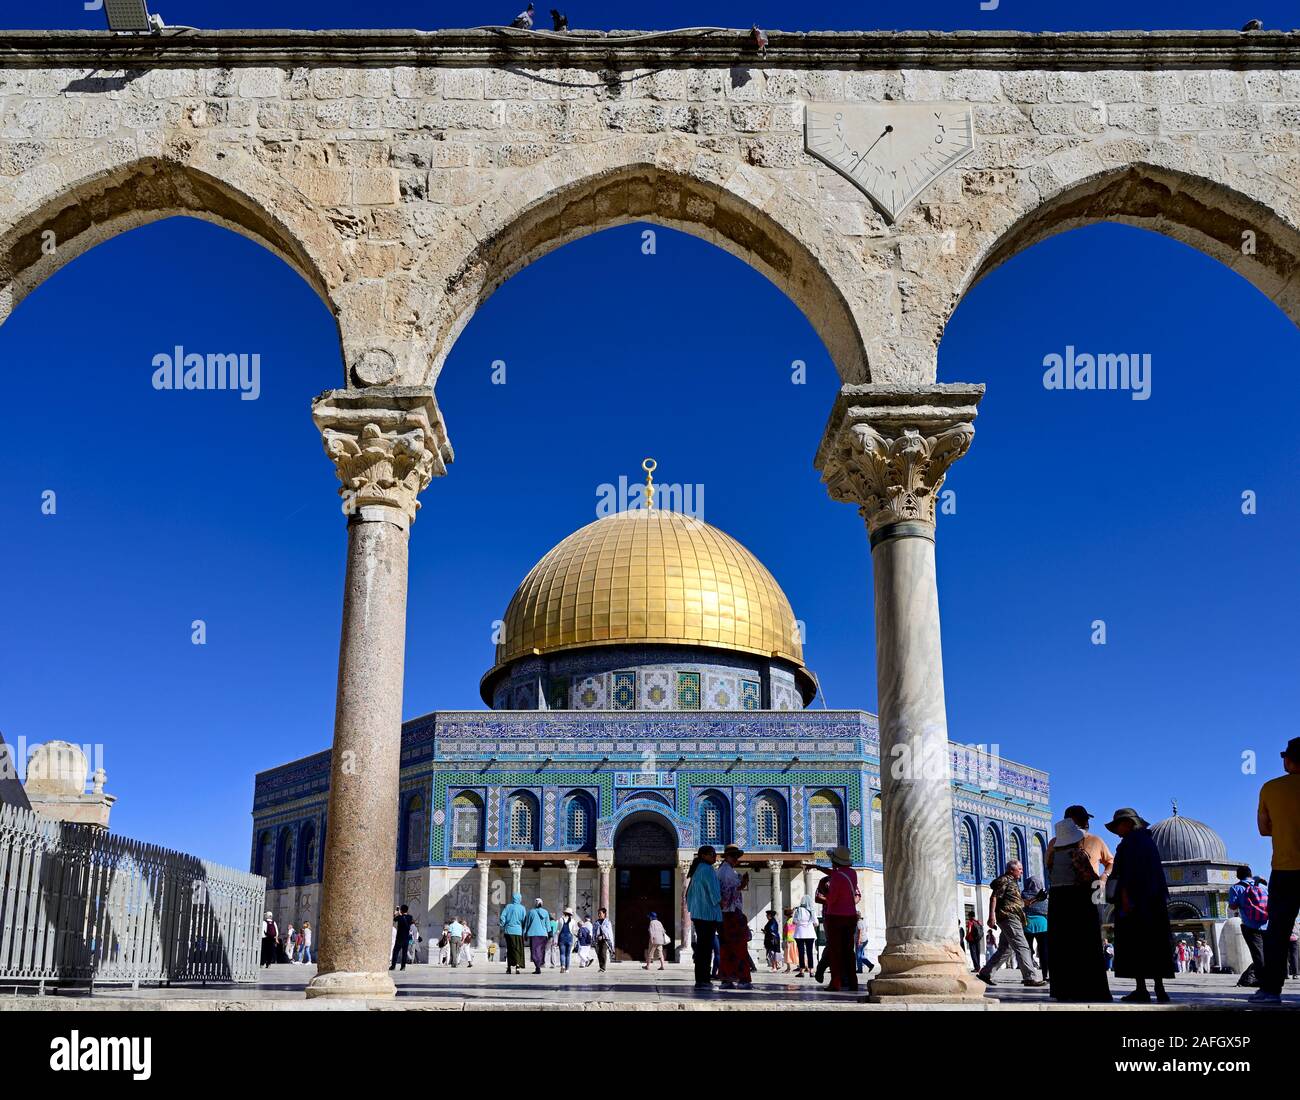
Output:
x=641 y=891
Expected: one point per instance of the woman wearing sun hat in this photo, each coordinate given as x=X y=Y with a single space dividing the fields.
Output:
x=840 y=915
x=1143 y=945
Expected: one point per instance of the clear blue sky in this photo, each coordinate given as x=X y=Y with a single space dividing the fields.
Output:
x=1071 y=506
x=1029 y=15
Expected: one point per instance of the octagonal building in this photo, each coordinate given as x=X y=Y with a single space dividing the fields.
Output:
x=648 y=694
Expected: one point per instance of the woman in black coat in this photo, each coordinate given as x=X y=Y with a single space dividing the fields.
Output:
x=1143 y=945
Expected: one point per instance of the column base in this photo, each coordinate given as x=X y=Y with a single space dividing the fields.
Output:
x=925 y=973
x=350 y=983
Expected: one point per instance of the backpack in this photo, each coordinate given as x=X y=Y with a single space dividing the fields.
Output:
x=1254 y=903
x=584 y=936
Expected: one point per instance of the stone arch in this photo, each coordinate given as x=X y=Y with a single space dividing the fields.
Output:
x=649 y=814
x=1198 y=210
x=745 y=212
x=642 y=809
x=91 y=208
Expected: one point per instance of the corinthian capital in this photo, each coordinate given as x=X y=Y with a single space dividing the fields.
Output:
x=387 y=443
x=887 y=448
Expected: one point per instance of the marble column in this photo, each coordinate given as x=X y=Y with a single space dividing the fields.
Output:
x=571 y=865
x=887 y=449
x=778 y=901
x=516 y=875
x=386 y=443
x=484 y=895
x=684 y=928
x=605 y=866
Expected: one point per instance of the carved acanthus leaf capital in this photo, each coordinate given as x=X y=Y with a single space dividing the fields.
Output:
x=386 y=442
x=887 y=449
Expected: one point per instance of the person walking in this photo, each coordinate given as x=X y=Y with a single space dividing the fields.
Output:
x=1204 y=957
x=789 y=949
x=1293 y=956
x=975 y=942
x=805 y=935
x=734 y=968
x=1137 y=886
x=537 y=928
x=1249 y=901
x=455 y=941
x=511 y=923
x=553 y=941
x=308 y=953
x=270 y=939
x=772 y=941
x=564 y=938
x=402 y=922
x=1180 y=956
x=703 y=902
x=604 y=936
x=1036 y=924
x=1007 y=913
x=658 y=938
x=1279 y=819
x=586 y=941
x=1075 y=885
x=840 y=916
x=467 y=947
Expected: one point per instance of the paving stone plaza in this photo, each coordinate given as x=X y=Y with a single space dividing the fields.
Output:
x=625 y=986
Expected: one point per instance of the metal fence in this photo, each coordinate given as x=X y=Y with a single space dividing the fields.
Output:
x=79 y=905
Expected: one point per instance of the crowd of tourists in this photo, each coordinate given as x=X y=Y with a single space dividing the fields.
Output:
x=1052 y=931
x=294 y=945
x=715 y=899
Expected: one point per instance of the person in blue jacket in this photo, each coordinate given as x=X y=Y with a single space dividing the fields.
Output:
x=512 y=928
x=537 y=927
x=566 y=936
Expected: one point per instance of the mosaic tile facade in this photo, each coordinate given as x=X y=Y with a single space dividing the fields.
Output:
x=731 y=758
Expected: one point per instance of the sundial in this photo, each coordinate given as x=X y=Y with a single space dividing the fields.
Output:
x=890 y=151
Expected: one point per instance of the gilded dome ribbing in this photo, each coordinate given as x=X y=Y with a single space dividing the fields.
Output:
x=650 y=577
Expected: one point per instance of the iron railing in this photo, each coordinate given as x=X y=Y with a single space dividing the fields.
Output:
x=79 y=905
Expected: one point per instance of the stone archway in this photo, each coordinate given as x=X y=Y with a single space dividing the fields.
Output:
x=724 y=202
x=72 y=218
x=645 y=866
x=1229 y=225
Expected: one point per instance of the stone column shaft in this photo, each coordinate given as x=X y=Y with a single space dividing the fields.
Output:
x=386 y=443
x=605 y=866
x=571 y=865
x=484 y=896
x=887 y=449
x=516 y=875
x=684 y=951
x=778 y=901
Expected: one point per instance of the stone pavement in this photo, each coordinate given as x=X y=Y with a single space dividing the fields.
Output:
x=625 y=986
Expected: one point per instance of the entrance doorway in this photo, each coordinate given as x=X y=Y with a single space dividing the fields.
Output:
x=644 y=860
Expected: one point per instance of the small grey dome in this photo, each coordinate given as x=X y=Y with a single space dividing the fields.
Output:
x=1184 y=838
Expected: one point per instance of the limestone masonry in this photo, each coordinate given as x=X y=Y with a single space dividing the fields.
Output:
x=408 y=174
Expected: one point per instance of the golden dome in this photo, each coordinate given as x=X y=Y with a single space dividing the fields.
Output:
x=650 y=577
